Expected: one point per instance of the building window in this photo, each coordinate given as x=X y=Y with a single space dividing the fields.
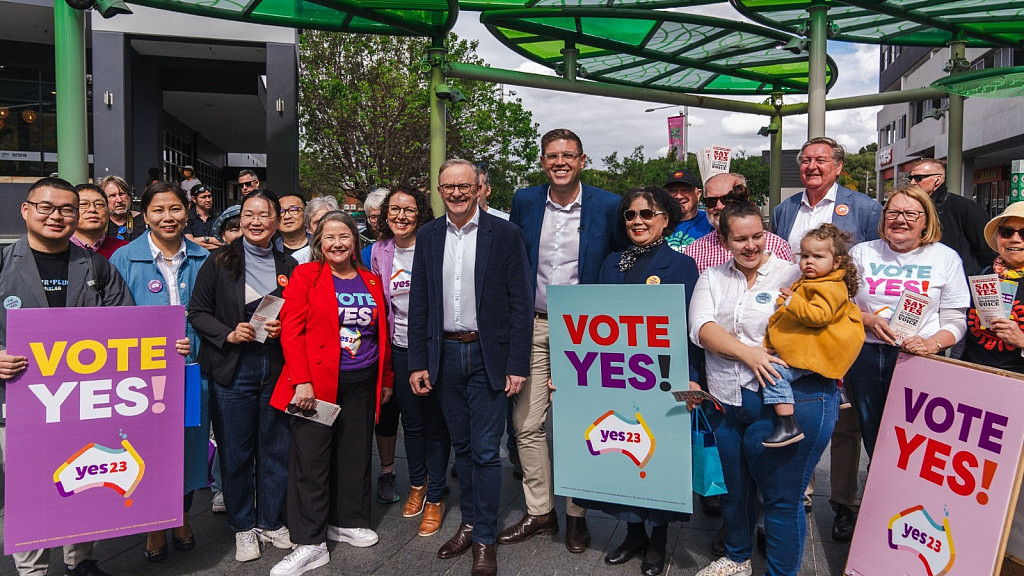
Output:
x=28 y=121
x=901 y=127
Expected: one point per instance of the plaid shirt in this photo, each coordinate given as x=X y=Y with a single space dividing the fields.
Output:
x=708 y=251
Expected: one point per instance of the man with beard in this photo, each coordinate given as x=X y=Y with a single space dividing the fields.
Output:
x=125 y=223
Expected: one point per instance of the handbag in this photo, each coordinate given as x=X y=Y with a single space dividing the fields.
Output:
x=708 y=477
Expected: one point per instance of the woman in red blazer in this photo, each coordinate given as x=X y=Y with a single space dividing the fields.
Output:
x=334 y=335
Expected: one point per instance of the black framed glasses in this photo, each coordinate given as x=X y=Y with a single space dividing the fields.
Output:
x=645 y=214
x=293 y=210
x=45 y=209
x=450 y=188
x=712 y=201
x=1006 y=232
x=919 y=177
x=248 y=183
x=908 y=215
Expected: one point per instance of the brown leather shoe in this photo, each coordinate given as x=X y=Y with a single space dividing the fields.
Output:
x=485 y=562
x=528 y=527
x=432 y=515
x=457 y=544
x=414 y=505
x=577 y=535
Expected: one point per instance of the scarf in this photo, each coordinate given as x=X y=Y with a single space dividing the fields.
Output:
x=629 y=255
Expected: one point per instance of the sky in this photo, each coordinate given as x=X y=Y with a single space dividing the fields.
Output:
x=609 y=125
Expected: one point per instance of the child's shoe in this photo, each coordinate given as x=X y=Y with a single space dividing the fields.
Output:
x=787 y=432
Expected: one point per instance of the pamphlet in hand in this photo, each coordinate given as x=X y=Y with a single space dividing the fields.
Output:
x=1009 y=291
x=697 y=396
x=268 y=309
x=906 y=320
x=988 y=298
x=323 y=412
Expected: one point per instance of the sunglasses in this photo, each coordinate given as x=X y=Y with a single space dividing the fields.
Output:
x=1005 y=232
x=712 y=201
x=918 y=177
x=293 y=409
x=249 y=183
x=645 y=214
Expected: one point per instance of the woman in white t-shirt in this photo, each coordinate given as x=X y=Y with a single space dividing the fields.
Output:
x=906 y=257
x=427 y=445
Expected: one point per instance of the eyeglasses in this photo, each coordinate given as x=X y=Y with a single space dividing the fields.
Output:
x=809 y=161
x=908 y=215
x=712 y=201
x=45 y=209
x=407 y=210
x=250 y=216
x=1005 y=232
x=293 y=210
x=450 y=188
x=99 y=205
x=564 y=156
x=248 y=183
x=918 y=177
x=645 y=214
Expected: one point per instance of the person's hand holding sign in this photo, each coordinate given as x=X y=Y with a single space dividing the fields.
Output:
x=11 y=366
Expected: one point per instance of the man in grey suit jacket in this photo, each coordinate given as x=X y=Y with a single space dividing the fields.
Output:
x=44 y=269
x=825 y=201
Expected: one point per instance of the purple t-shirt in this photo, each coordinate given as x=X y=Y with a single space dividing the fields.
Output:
x=357 y=315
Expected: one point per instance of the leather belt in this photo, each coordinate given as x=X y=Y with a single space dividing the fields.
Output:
x=462 y=337
x=540 y=315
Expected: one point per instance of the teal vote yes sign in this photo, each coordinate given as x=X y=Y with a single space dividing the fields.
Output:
x=617 y=353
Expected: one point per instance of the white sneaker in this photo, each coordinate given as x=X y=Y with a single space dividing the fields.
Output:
x=247 y=545
x=358 y=537
x=280 y=538
x=305 y=557
x=217 y=506
x=726 y=567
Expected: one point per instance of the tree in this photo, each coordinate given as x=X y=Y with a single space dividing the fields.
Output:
x=859 y=167
x=364 y=113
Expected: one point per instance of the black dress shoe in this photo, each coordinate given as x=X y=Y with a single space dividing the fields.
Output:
x=485 y=562
x=85 y=568
x=654 y=556
x=711 y=505
x=843 y=525
x=635 y=543
x=457 y=544
x=577 y=534
x=528 y=527
x=718 y=543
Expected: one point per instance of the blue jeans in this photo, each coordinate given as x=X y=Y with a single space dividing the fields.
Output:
x=867 y=385
x=781 y=392
x=251 y=437
x=475 y=413
x=779 y=474
x=427 y=445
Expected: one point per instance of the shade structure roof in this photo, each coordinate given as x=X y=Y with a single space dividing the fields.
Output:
x=988 y=83
x=980 y=23
x=670 y=51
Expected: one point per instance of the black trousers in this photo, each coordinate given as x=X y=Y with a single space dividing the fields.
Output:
x=329 y=473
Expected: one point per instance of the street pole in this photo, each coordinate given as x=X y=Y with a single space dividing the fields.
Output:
x=69 y=58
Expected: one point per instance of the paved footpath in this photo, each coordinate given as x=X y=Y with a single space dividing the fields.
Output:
x=402 y=552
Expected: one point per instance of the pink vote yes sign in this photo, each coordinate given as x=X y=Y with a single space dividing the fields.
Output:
x=95 y=424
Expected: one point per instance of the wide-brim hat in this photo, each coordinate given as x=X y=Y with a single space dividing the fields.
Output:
x=1015 y=209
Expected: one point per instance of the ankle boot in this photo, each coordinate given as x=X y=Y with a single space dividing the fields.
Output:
x=787 y=432
x=654 y=556
x=635 y=542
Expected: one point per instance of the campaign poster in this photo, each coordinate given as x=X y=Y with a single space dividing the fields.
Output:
x=95 y=424
x=617 y=353
x=945 y=472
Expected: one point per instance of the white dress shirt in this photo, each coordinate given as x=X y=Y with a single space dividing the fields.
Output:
x=169 y=270
x=459 y=275
x=558 y=258
x=810 y=217
x=722 y=296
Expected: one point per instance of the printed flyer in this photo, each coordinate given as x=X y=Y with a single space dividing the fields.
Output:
x=944 y=474
x=617 y=354
x=95 y=424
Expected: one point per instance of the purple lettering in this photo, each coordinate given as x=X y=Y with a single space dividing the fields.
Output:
x=989 y=432
x=611 y=366
x=581 y=366
x=645 y=378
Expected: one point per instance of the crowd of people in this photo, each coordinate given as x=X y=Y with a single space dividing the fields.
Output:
x=441 y=324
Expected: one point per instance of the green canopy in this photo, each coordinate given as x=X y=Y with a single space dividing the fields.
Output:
x=988 y=83
x=669 y=51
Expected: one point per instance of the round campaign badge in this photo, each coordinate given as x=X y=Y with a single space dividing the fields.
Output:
x=842 y=210
x=155 y=286
x=763 y=298
x=653 y=280
x=12 y=303
x=282 y=280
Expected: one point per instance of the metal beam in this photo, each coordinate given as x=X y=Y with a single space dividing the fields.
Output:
x=438 y=118
x=816 y=64
x=955 y=147
x=69 y=60
x=850 y=102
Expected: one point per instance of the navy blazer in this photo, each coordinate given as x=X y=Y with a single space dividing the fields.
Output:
x=599 y=233
x=670 y=267
x=860 y=218
x=504 y=301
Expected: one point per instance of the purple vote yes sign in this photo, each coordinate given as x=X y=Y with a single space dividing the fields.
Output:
x=95 y=433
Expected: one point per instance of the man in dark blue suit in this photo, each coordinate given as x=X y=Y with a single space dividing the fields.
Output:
x=470 y=325
x=570 y=228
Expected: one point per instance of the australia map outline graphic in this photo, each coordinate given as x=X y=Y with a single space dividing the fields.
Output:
x=612 y=432
x=915 y=531
x=96 y=466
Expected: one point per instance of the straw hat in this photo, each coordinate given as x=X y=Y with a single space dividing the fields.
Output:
x=1015 y=209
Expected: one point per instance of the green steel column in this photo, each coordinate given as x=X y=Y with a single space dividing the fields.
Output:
x=775 y=166
x=955 y=151
x=817 y=62
x=438 y=117
x=569 y=54
x=72 y=133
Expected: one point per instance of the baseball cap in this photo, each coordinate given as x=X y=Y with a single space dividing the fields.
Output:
x=683 y=177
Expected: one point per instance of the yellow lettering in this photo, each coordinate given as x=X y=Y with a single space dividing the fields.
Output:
x=48 y=363
x=152 y=353
x=121 y=345
x=75 y=360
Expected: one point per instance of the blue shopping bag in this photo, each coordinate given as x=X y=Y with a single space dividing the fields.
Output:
x=708 y=478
